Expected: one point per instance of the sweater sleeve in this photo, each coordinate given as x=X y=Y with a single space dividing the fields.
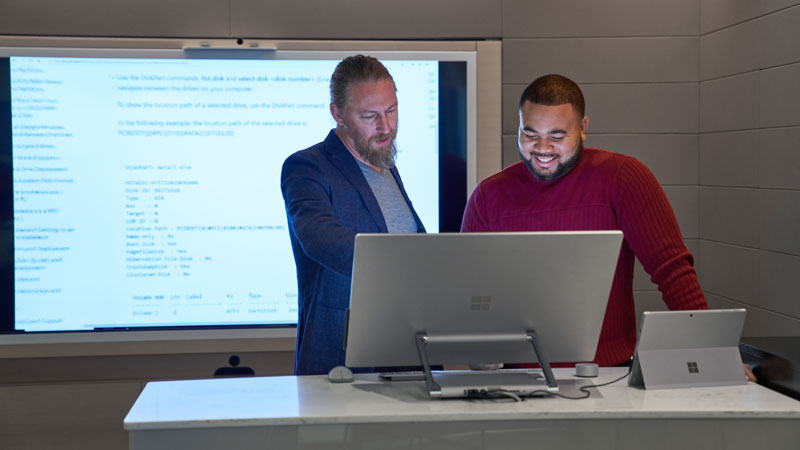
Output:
x=474 y=219
x=651 y=230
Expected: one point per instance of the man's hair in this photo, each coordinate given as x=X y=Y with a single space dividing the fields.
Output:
x=353 y=70
x=554 y=90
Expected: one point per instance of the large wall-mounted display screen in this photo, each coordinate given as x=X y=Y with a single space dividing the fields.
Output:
x=141 y=190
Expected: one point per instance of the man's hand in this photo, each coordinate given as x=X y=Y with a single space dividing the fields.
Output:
x=749 y=374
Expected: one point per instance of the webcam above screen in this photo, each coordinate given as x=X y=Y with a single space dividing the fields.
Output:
x=140 y=187
x=475 y=288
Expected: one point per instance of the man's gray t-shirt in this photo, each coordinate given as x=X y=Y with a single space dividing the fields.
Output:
x=396 y=212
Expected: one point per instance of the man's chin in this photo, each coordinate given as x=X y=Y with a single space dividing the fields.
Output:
x=380 y=150
x=559 y=170
x=382 y=158
x=539 y=175
x=544 y=176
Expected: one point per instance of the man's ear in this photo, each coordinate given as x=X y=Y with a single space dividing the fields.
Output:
x=336 y=114
x=584 y=126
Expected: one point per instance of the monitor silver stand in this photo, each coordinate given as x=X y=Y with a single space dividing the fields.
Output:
x=424 y=339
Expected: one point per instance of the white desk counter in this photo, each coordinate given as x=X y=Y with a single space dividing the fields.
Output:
x=310 y=412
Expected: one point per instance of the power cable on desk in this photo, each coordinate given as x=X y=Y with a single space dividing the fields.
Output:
x=502 y=393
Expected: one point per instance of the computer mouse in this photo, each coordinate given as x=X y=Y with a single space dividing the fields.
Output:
x=340 y=374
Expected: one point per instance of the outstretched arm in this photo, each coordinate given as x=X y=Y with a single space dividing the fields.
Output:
x=312 y=219
x=648 y=222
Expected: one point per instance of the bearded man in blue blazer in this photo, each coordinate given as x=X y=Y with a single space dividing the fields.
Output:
x=344 y=185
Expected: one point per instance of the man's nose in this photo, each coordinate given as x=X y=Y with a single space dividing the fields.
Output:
x=542 y=144
x=383 y=123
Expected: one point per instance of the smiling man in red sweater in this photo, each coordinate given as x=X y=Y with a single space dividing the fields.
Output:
x=560 y=186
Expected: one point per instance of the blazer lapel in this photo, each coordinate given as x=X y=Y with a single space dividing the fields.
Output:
x=341 y=158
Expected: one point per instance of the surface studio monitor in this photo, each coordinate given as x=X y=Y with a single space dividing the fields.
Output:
x=477 y=297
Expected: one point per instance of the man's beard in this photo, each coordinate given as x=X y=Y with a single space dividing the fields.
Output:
x=383 y=157
x=561 y=169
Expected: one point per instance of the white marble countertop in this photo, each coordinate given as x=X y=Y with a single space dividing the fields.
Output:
x=307 y=400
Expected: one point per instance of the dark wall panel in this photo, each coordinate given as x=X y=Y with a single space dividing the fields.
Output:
x=117 y=18
x=366 y=19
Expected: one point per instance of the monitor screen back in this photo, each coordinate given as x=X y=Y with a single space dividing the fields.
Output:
x=480 y=285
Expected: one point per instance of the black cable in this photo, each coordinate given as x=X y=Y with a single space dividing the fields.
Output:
x=494 y=394
x=582 y=388
x=504 y=394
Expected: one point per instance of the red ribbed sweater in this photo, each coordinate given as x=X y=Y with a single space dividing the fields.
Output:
x=605 y=191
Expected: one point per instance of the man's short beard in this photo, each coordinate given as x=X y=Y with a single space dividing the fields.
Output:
x=561 y=169
x=383 y=158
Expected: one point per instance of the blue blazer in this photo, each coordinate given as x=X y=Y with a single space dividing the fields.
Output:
x=328 y=201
